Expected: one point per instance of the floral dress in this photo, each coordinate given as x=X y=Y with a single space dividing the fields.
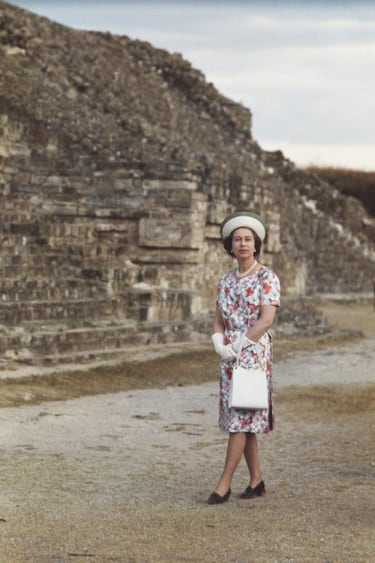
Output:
x=240 y=301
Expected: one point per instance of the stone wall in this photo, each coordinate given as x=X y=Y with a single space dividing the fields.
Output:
x=112 y=193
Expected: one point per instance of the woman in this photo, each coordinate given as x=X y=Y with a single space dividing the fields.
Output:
x=246 y=304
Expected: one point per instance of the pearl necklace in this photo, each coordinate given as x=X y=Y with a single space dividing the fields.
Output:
x=243 y=274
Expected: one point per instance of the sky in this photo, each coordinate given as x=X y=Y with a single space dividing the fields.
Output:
x=305 y=69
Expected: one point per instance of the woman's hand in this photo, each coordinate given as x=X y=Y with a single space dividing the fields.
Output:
x=241 y=342
x=225 y=351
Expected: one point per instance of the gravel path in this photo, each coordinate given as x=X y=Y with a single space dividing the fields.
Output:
x=124 y=477
x=352 y=363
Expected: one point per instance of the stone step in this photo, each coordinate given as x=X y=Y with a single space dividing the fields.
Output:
x=18 y=312
x=74 y=300
x=59 y=344
x=36 y=290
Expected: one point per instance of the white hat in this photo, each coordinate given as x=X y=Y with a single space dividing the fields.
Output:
x=244 y=220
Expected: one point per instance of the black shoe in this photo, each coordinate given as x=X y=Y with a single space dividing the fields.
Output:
x=215 y=498
x=257 y=491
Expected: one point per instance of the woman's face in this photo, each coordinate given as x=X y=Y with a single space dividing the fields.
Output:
x=243 y=243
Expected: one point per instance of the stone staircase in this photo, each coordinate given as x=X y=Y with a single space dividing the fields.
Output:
x=96 y=264
x=68 y=291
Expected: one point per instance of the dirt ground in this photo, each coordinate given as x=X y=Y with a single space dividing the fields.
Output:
x=115 y=464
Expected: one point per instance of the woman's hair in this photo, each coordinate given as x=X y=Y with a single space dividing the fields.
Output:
x=227 y=243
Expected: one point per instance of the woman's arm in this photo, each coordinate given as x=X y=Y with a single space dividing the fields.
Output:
x=265 y=321
x=218 y=321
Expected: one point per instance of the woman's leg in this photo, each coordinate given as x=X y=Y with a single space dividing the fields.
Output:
x=252 y=459
x=235 y=449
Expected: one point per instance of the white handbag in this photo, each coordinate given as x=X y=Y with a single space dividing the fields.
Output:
x=249 y=388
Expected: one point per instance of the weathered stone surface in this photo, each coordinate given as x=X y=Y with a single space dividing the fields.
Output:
x=118 y=163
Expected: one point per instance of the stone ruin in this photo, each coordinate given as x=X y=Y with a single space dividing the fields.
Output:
x=118 y=162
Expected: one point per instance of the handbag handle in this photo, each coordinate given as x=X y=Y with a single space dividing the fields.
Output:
x=243 y=337
x=240 y=349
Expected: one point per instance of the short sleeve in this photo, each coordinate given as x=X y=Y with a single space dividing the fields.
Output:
x=270 y=288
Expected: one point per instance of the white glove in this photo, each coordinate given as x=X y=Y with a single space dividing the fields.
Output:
x=241 y=342
x=226 y=352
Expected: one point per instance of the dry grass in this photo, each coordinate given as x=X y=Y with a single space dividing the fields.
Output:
x=329 y=400
x=351 y=316
x=176 y=369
